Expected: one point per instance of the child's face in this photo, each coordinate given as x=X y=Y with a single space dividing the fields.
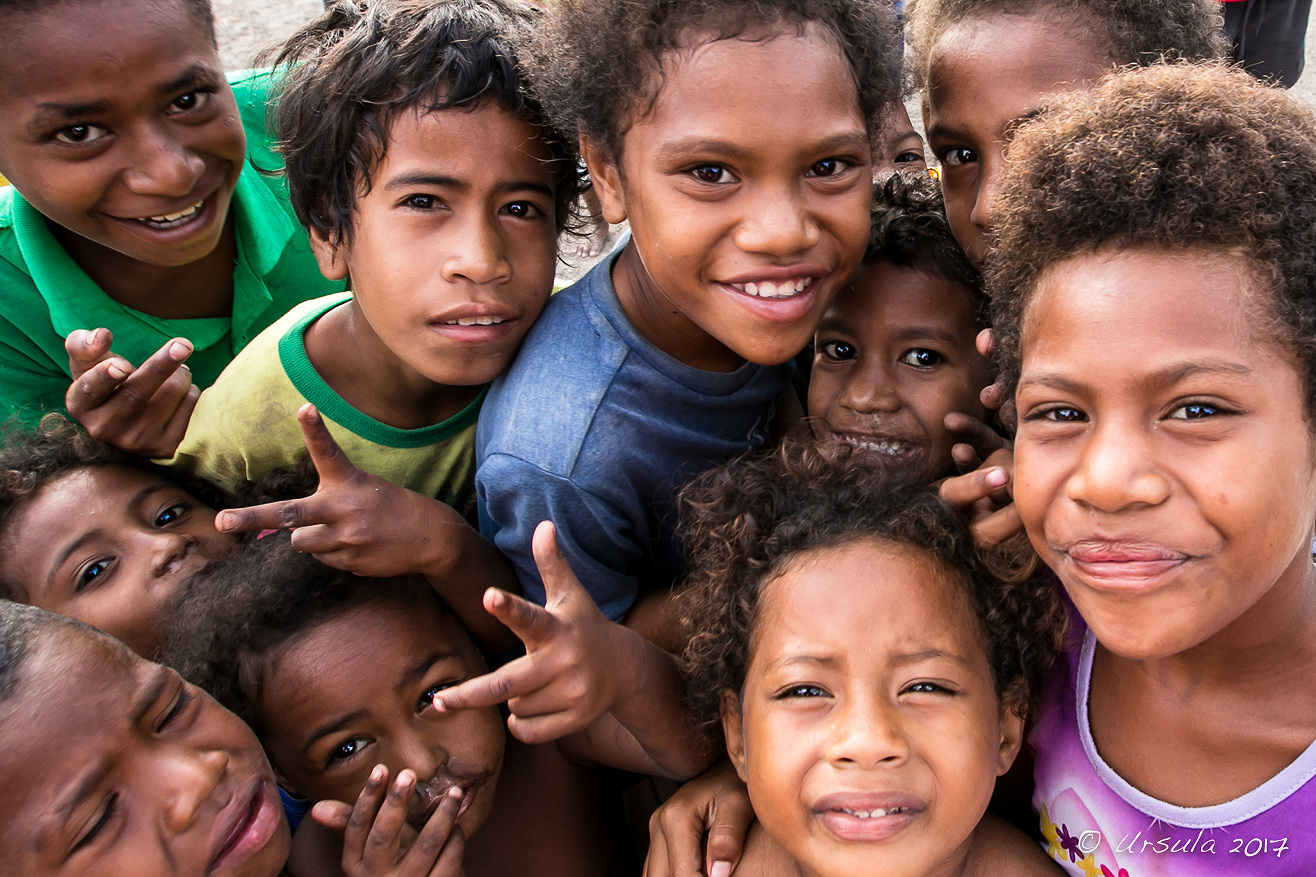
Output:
x=1164 y=458
x=869 y=730
x=900 y=148
x=894 y=355
x=111 y=546
x=357 y=691
x=988 y=74
x=116 y=122
x=124 y=769
x=747 y=188
x=454 y=247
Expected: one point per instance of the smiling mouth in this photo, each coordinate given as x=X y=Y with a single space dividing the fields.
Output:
x=774 y=289
x=172 y=220
x=887 y=447
x=476 y=321
x=874 y=814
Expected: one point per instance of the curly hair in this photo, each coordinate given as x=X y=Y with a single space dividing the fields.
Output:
x=238 y=610
x=743 y=522
x=199 y=10
x=1132 y=31
x=909 y=229
x=31 y=459
x=1175 y=157
x=597 y=64
x=351 y=72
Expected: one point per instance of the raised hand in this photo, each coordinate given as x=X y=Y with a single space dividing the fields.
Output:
x=143 y=410
x=377 y=842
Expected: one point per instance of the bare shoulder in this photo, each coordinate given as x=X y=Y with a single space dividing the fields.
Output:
x=1000 y=848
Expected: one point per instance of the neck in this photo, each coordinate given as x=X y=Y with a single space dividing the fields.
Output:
x=345 y=351
x=203 y=288
x=661 y=323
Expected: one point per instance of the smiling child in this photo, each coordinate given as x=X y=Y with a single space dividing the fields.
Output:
x=137 y=201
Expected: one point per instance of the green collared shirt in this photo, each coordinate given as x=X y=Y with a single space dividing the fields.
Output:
x=44 y=295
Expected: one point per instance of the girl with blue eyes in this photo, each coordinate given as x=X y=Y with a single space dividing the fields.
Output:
x=869 y=677
x=894 y=355
x=101 y=536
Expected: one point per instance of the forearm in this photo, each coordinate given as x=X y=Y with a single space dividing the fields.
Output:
x=461 y=566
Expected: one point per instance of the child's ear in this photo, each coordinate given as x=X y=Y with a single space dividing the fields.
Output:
x=733 y=730
x=605 y=176
x=1012 y=737
x=331 y=257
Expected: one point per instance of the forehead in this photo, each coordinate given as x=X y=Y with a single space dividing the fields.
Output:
x=746 y=89
x=887 y=299
x=988 y=71
x=484 y=139
x=99 y=50
x=84 y=496
x=866 y=601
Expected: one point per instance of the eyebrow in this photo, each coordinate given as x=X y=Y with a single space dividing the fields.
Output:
x=413 y=674
x=929 y=655
x=440 y=181
x=1160 y=380
x=52 y=112
x=681 y=148
x=73 y=546
x=913 y=333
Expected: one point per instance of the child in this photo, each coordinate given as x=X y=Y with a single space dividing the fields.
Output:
x=337 y=674
x=423 y=171
x=100 y=535
x=895 y=354
x=870 y=677
x=986 y=65
x=123 y=767
x=1153 y=297
x=736 y=140
x=138 y=200
x=900 y=149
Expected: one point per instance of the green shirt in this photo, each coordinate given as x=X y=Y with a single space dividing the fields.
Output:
x=44 y=295
x=245 y=426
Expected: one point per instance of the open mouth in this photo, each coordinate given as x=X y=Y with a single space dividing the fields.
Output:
x=172 y=220
x=875 y=814
x=774 y=289
x=475 y=321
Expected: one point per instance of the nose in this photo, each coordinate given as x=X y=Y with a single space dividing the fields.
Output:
x=866 y=733
x=984 y=204
x=420 y=752
x=870 y=390
x=479 y=254
x=777 y=222
x=186 y=780
x=1117 y=470
x=162 y=165
x=166 y=547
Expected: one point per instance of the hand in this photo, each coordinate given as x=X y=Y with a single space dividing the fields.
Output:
x=993 y=396
x=715 y=804
x=354 y=521
x=566 y=680
x=986 y=496
x=376 y=837
x=145 y=410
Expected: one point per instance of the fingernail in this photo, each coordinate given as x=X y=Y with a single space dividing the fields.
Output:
x=437 y=703
x=720 y=869
x=377 y=774
x=178 y=350
x=996 y=477
x=117 y=371
x=455 y=792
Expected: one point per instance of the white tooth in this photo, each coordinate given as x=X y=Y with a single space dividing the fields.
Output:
x=752 y=288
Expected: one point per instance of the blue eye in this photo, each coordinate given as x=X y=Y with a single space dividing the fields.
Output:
x=838 y=351
x=89 y=574
x=348 y=749
x=920 y=357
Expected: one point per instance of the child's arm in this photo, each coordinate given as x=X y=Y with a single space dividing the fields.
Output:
x=613 y=691
x=371 y=527
x=141 y=410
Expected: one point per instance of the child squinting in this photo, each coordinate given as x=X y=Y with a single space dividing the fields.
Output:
x=736 y=139
x=870 y=678
x=985 y=66
x=895 y=353
x=1163 y=376
x=138 y=204
x=124 y=768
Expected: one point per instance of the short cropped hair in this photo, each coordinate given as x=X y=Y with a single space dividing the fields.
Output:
x=351 y=72
x=597 y=64
x=20 y=625
x=1131 y=31
x=743 y=522
x=1173 y=157
x=199 y=10
x=910 y=230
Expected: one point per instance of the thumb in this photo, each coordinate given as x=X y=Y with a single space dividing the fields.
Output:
x=330 y=462
x=333 y=815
